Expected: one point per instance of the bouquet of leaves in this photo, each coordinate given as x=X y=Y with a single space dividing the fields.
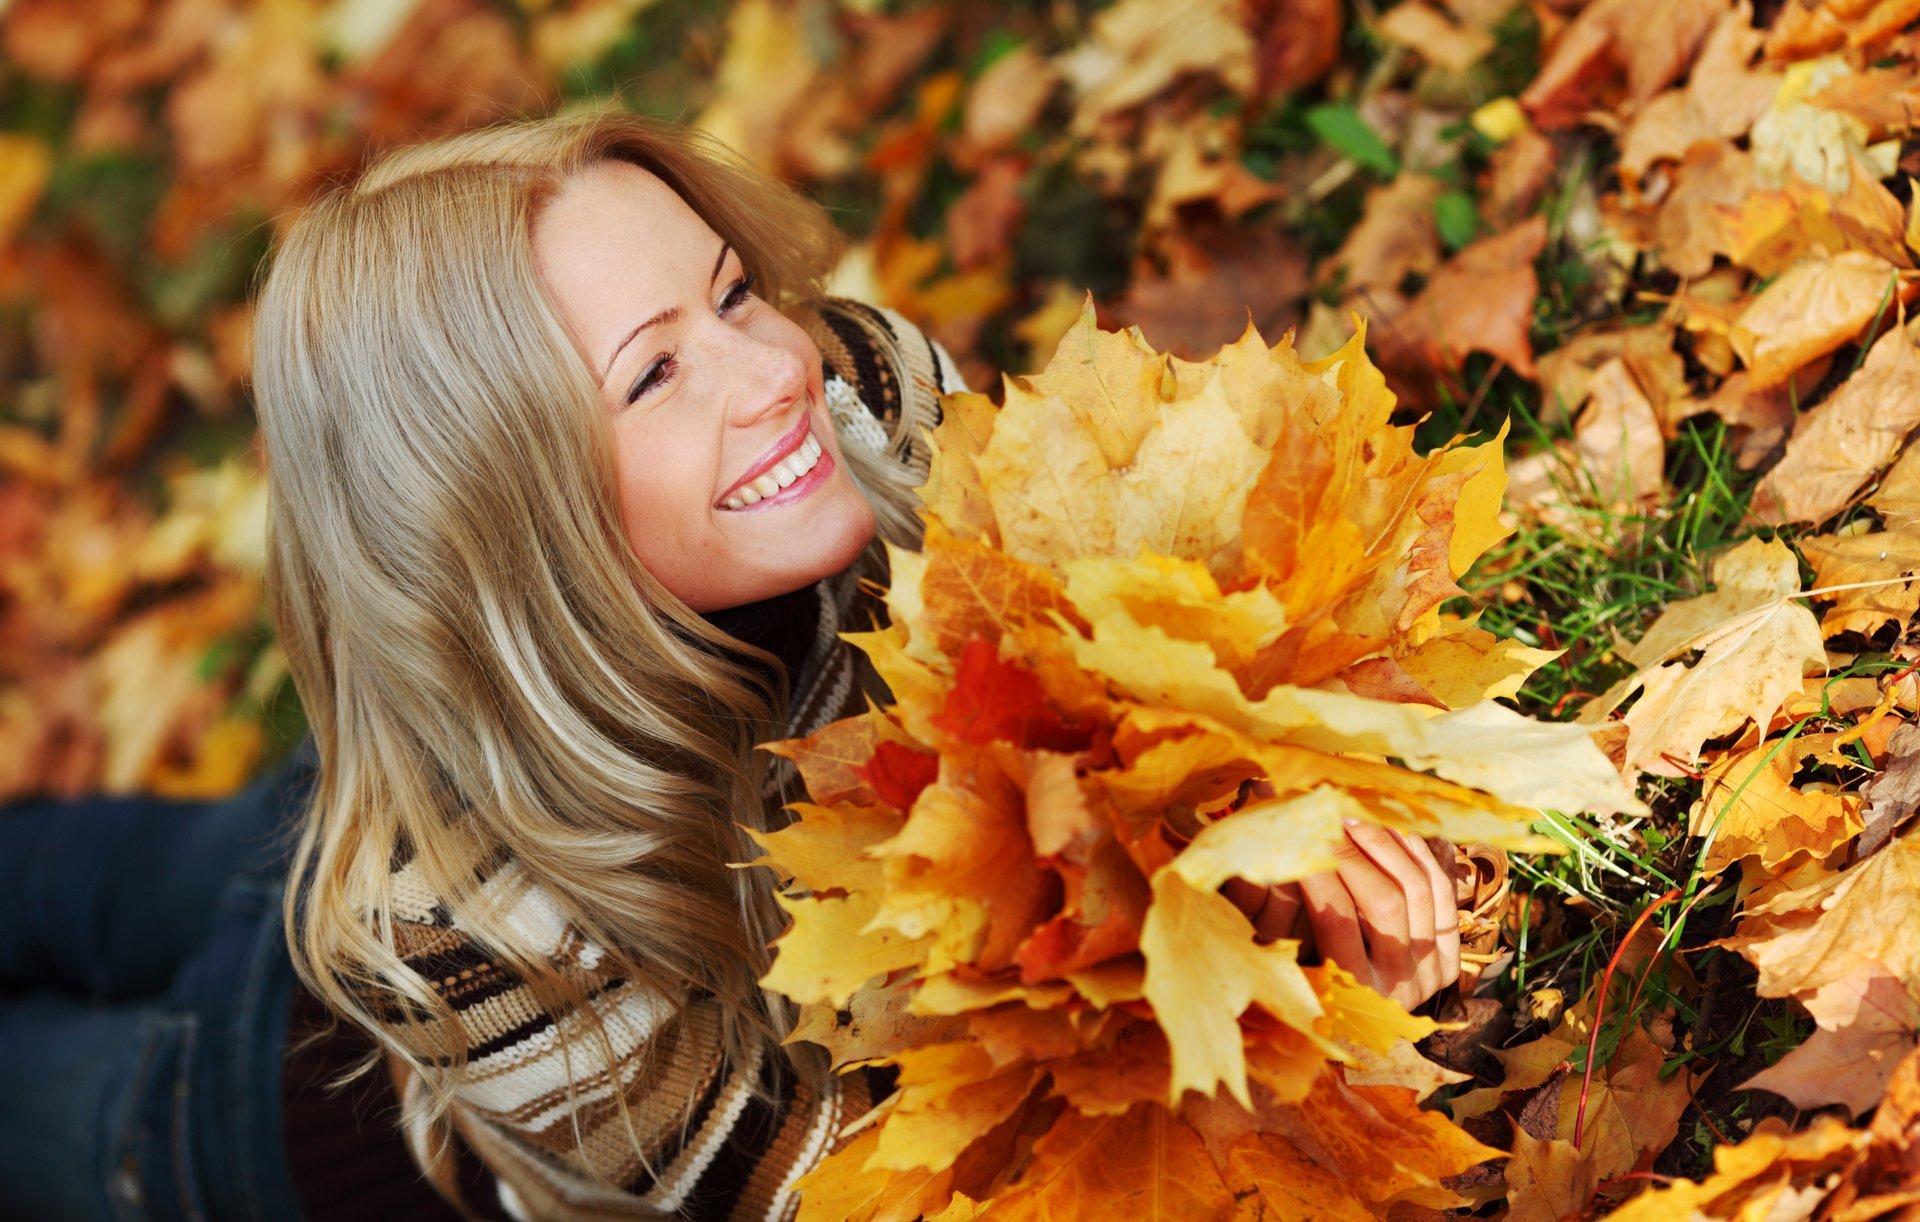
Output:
x=1151 y=588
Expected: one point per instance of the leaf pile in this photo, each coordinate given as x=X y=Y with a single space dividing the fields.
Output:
x=1150 y=585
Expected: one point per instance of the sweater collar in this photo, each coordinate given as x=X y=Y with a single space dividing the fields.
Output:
x=785 y=625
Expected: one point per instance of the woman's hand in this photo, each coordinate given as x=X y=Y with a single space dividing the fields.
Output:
x=1386 y=913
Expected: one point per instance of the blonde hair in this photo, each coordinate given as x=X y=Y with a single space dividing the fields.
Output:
x=487 y=670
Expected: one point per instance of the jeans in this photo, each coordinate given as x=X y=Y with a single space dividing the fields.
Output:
x=144 y=997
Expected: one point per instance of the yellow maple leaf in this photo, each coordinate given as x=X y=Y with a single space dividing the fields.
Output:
x=1756 y=643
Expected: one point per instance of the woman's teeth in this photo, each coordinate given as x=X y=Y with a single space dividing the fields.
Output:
x=782 y=473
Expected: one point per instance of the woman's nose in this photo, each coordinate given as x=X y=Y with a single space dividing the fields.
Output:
x=768 y=380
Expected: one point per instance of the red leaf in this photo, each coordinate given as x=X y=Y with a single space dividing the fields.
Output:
x=996 y=701
x=898 y=773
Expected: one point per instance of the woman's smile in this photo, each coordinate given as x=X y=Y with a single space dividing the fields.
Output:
x=796 y=465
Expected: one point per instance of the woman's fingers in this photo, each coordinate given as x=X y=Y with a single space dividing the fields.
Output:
x=1280 y=916
x=1446 y=912
x=1336 y=925
x=1274 y=911
x=1389 y=894
x=1386 y=913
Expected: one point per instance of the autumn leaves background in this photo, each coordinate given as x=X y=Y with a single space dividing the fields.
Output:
x=1667 y=245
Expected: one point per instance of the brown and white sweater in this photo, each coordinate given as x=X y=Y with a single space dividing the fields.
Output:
x=549 y=1127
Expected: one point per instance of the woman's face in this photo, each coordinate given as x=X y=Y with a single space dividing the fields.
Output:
x=731 y=482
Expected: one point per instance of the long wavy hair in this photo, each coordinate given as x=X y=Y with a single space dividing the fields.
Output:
x=488 y=672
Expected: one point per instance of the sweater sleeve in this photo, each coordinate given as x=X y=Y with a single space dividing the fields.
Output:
x=545 y=1114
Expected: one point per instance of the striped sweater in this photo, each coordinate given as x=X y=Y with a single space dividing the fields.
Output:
x=549 y=1127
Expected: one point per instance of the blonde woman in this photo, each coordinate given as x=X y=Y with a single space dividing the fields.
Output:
x=575 y=477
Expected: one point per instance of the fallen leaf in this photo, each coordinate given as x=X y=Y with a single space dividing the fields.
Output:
x=1395 y=237
x=1617 y=438
x=1481 y=300
x=1838 y=446
x=1426 y=30
x=1722 y=97
x=1649 y=43
x=1811 y=309
x=1756 y=643
x=1548 y=1180
x=1138 y=47
x=1882 y=567
x=1869 y=1022
x=1894 y=794
x=1859 y=916
x=1749 y=805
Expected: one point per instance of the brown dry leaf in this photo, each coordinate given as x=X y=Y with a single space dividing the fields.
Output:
x=1567 y=373
x=1139 y=47
x=1006 y=99
x=1421 y=28
x=1760 y=418
x=1395 y=237
x=1722 y=98
x=1868 y=1023
x=1826 y=932
x=1219 y=280
x=1299 y=41
x=1649 y=43
x=981 y=224
x=1688 y=230
x=1894 y=795
x=1749 y=806
x=1516 y=175
x=1757 y=641
x=1811 y=309
x=1884 y=565
x=1547 y=1180
x=1619 y=443
x=1481 y=300
x=1838 y=446
x=1897 y=496
x=1630 y=1112
x=1203 y=165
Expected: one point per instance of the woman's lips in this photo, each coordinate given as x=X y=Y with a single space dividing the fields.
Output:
x=788 y=464
x=777 y=453
x=822 y=471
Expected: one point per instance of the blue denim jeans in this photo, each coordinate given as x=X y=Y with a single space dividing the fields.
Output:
x=144 y=995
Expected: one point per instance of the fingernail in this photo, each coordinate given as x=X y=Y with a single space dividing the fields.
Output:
x=1349 y=821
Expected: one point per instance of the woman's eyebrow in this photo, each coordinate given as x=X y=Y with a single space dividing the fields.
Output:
x=670 y=314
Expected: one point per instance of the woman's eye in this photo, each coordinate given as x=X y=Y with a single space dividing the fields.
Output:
x=655 y=375
x=738 y=294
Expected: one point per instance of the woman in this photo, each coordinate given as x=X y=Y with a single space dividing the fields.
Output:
x=575 y=475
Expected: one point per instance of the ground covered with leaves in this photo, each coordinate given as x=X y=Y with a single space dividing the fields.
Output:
x=1658 y=252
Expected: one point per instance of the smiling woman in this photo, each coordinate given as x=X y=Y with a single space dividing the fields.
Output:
x=516 y=386
x=576 y=475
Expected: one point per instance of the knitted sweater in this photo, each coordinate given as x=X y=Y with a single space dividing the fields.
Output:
x=549 y=1127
